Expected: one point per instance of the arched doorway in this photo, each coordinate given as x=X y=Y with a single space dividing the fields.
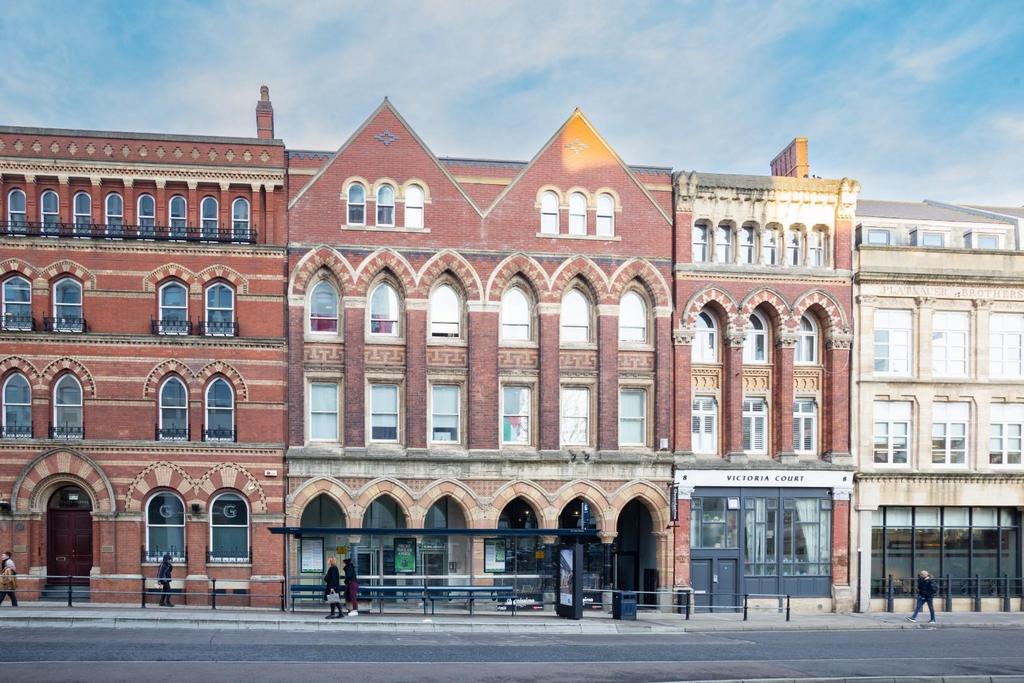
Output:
x=636 y=561
x=69 y=534
x=315 y=549
x=375 y=556
x=524 y=555
x=445 y=558
x=580 y=514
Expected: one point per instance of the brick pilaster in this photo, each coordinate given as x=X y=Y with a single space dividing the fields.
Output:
x=416 y=377
x=682 y=397
x=663 y=381
x=782 y=396
x=732 y=395
x=549 y=389
x=355 y=420
x=483 y=380
x=608 y=381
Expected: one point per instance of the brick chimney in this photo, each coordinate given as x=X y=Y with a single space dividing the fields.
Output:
x=264 y=115
x=792 y=161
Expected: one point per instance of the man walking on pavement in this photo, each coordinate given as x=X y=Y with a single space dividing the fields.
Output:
x=925 y=594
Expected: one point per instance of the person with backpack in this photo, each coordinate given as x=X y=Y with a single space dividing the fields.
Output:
x=164 y=578
x=8 y=584
x=352 y=587
x=926 y=590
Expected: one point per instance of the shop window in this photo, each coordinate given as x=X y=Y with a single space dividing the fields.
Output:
x=575 y=417
x=704 y=427
x=515 y=415
x=760 y=536
x=950 y=333
x=165 y=528
x=632 y=417
x=891 y=444
x=806 y=537
x=892 y=342
x=323 y=309
x=949 y=433
x=229 y=529
x=323 y=411
x=714 y=522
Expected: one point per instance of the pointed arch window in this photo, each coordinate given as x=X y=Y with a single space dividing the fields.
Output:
x=632 y=318
x=173 y=309
x=414 y=206
x=229 y=529
x=755 y=346
x=515 y=315
x=577 y=214
x=807 y=341
x=723 y=243
x=549 y=213
x=705 y=341
x=384 y=311
x=220 y=411
x=17 y=415
x=220 y=311
x=445 y=313
x=50 y=206
x=165 y=527
x=386 y=206
x=67 y=307
x=146 y=215
x=17 y=304
x=173 y=424
x=16 y=207
x=83 y=212
x=323 y=309
x=240 y=219
x=575 y=317
x=356 y=204
x=210 y=218
x=605 y=215
x=177 y=213
x=67 y=409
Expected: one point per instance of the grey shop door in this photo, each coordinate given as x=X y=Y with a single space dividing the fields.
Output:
x=715 y=582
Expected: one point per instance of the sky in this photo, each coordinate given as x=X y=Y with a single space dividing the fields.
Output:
x=915 y=100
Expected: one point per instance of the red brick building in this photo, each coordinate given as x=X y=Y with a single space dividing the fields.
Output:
x=142 y=356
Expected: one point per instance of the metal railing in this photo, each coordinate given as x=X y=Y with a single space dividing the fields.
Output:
x=158 y=233
x=67 y=325
x=18 y=323
x=16 y=431
x=153 y=555
x=213 y=328
x=170 y=327
x=220 y=435
x=67 y=432
x=229 y=556
x=975 y=588
x=173 y=433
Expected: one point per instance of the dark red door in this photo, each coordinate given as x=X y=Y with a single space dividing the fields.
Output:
x=69 y=543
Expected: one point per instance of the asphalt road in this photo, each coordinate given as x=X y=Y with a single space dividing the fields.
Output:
x=112 y=656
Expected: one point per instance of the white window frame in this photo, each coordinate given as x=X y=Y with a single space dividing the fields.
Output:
x=414 y=198
x=209 y=226
x=806 y=342
x=146 y=220
x=705 y=339
x=886 y=234
x=161 y=318
x=704 y=416
x=513 y=329
x=923 y=236
x=750 y=354
x=890 y=415
x=549 y=210
x=394 y=309
x=577 y=214
x=815 y=248
x=51 y=217
x=114 y=217
x=208 y=309
x=583 y=305
x=229 y=410
x=794 y=247
x=747 y=244
x=374 y=386
x=162 y=406
x=350 y=205
x=17 y=216
x=177 y=221
x=755 y=425
x=329 y=388
x=312 y=312
x=59 y=321
x=770 y=247
x=10 y=404
x=948 y=419
x=1006 y=345
x=723 y=243
x=805 y=426
x=383 y=205
x=82 y=218
x=950 y=343
x=248 y=529
x=240 y=225
x=974 y=239
x=633 y=321
x=633 y=419
x=525 y=416
x=699 y=251
x=605 y=222
x=445 y=316
x=178 y=553
x=57 y=405
x=6 y=301
x=434 y=414
x=897 y=341
x=564 y=428
x=1006 y=425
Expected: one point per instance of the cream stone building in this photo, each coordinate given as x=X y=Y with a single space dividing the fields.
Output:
x=938 y=402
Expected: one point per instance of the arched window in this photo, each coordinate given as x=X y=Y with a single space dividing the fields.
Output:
x=17 y=415
x=50 y=206
x=700 y=243
x=146 y=215
x=356 y=204
x=794 y=247
x=755 y=347
x=385 y=206
x=114 y=207
x=177 y=216
x=575 y=317
x=16 y=211
x=67 y=306
x=807 y=341
x=723 y=243
x=747 y=248
x=445 y=313
x=173 y=309
x=83 y=211
x=165 y=527
x=67 y=409
x=173 y=411
x=770 y=247
x=323 y=309
x=229 y=529
x=220 y=411
x=815 y=248
x=414 y=206
x=220 y=311
x=240 y=219
x=384 y=311
x=605 y=215
x=549 y=213
x=705 y=342
x=210 y=218
x=577 y=214
x=17 y=304
x=632 y=318
x=515 y=315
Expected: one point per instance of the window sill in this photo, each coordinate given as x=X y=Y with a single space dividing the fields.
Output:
x=382 y=339
x=578 y=346
x=636 y=346
x=383 y=228
x=227 y=563
x=446 y=341
x=323 y=337
x=592 y=238
x=521 y=344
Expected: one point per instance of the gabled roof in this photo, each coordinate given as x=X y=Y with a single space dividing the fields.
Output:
x=385 y=105
x=921 y=211
x=578 y=116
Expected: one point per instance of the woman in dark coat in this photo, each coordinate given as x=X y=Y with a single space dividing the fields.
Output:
x=332 y=579
x=351 y=587
x=164 y=577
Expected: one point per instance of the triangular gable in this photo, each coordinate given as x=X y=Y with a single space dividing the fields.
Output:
x=387 y=107
x=581 y=147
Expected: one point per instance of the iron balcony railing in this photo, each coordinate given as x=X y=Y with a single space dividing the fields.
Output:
x=173 y=433
x=212 y=328
x=67 y=431
x=16 y=431
x=230 y=555
x=72 y=325
x=220 y=435
x=171 y=327
x=18 y=323
x=157 y=554
x=157 y=233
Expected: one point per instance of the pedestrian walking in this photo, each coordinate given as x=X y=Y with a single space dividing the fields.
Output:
x=332 y=591
x=8 y=582
x=925 y=594
x=164 y=576
x=351 y=587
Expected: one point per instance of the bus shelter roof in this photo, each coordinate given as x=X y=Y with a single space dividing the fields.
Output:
x=299 y=531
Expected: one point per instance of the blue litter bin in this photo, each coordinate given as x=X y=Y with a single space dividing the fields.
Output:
x=624 y=605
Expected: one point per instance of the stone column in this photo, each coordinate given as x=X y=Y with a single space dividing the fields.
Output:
x=608 y=377
x=979 y=348
x=836 y=394
x=921 y=343
x=782 y=397
x=681 y=532
x=482 y=392
x=731 y=418
x=663 y=380
x=416 y=373
x=355 y=391
x=842 y=596
x=682 y=352
x=548 y=417
x=864 y=522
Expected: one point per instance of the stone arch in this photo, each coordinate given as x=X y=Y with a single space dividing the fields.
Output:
x=160 y=371
x=450 y=261
x=155 y=278
x=650 y=277
x=54 y=466
x=219 y=367
x=69 y=267
x=773 y=300
x=159 y=475
x=229 y=475
x=458 y=491
x=596 y=497
x=384 y=260
x=321 y=258
x=653 y=498
x=219 y=272
x=581 y=267
x=529 y=492
x=71 y=365
x=375 y=489
x=19 y=364
x=521 y=265
x=831 y=313
x=702 y=298
x=313 y=487
x=14 y=266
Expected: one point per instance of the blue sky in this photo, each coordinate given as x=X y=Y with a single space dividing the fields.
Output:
x=914 y=99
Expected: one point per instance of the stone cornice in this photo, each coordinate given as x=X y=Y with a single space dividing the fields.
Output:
x=269 y=178
x=143 y=247
x=166 y=341
x=943 y=477
x=153 y=449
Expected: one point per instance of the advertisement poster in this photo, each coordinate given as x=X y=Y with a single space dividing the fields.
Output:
x=566 y=559
x=311 y=555
x=405 y=555
x=494 y=555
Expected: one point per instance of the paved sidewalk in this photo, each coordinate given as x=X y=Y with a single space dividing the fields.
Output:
x=47 y=615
